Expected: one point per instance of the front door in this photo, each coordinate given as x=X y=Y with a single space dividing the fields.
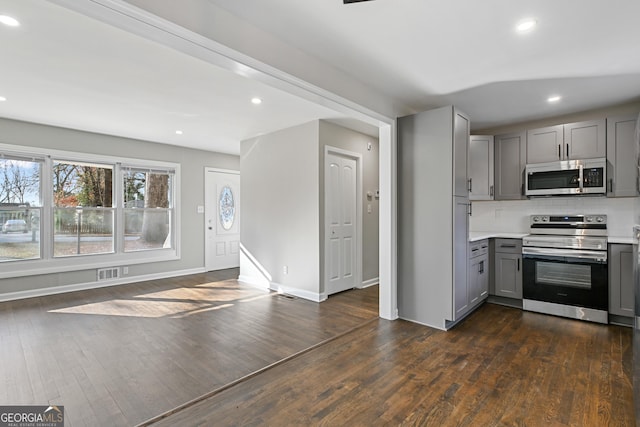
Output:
x=222 y=219
x=341 y=222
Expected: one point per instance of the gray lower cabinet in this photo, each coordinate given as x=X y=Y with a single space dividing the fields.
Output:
x=510 y=152
x=478 y=272
x=508 y=268
x=621 y=296
x=622 y=170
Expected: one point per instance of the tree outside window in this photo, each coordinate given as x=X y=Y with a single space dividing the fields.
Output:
x=147 y=213
x=20 y=208
x=83 y=208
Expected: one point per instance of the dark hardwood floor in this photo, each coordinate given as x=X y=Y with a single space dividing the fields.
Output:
x=121 y=355
x=206 y=350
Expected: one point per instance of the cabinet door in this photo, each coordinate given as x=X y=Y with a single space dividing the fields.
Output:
x=481 y=167
x=621 y=295
x=585 y=140
x=460 y=256
x=474 y=280
x=622 y=171
x=510 y=159
x=461 y=129
x=545 y=144
x=483 y=276
x=508 y=275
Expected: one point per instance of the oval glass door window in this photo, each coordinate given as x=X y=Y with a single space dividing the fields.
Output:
x=227 y=208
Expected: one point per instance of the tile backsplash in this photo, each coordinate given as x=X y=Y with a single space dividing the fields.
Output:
x=513 y=216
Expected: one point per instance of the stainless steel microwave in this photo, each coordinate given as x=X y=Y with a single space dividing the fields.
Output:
x=566 y=177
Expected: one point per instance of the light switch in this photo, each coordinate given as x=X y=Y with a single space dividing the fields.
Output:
x=200 y=209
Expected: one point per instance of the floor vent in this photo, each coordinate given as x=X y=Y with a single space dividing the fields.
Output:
x=108 y=273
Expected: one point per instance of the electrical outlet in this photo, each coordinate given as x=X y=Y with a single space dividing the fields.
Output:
x=285 y=269
x=125 y=271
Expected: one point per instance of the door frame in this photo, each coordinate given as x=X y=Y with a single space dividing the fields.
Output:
x=358 y=267
x=207 y=251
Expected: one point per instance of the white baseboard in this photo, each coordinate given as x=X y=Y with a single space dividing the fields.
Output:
x=12 y=296
x=370 y=282
x=254 y=282
x=300 y=293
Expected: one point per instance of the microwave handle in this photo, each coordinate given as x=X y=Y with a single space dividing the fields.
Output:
x=580 y=176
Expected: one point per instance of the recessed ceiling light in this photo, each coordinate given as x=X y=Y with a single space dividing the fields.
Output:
x=526 y=25
x=554 y=98
x=2 y=99
x=9 y=21
x=256 y=101
x=178 y=132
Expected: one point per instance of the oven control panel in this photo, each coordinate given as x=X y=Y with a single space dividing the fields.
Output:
x=569 y=219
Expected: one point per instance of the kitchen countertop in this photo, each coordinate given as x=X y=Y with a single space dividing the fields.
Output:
x=620 y=239
x=474 y=236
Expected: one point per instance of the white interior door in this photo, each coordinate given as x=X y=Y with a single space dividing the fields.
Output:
x=341 y=223
x=222 y=219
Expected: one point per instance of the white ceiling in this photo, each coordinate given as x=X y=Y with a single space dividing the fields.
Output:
x=426 y=53
x=63 y=68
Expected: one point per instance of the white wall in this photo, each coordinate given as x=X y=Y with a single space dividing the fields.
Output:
x=282 y=218
x=346 y=139
x=192 y=164
x=512 y=216
x=280 y=209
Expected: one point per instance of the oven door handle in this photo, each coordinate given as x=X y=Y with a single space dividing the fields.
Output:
x=578 y=255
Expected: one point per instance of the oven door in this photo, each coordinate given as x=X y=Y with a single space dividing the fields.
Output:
x=567 y=277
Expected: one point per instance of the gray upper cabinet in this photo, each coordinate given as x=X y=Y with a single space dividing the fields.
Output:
x=573 y=141
x=461 y=129
x=481 y=167
x=585 y=140
x=510 y=160
x=545 y=144
x=622 y=171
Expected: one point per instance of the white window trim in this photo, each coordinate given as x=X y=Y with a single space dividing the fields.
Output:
x=47 y=264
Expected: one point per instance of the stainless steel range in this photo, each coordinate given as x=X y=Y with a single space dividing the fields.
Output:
x=565 y=269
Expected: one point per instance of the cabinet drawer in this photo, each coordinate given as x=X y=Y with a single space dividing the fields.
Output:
x=478 y=248
x=510 y=246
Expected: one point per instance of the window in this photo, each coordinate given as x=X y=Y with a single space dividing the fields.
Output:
x=147 y=209
x=20 y=208
x=62 y=211
x=83 y=209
